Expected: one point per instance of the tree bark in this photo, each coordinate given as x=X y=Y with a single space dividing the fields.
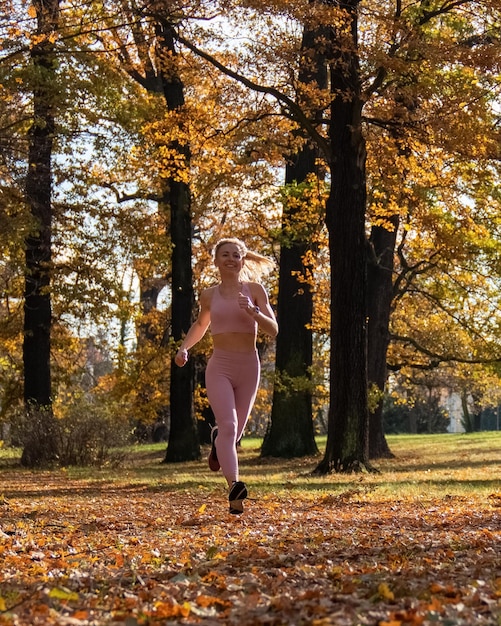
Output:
x=381 y=282
x=291 y=431
x=42 y=447
x=380 y=297
x=347 y=438
x=183 y=444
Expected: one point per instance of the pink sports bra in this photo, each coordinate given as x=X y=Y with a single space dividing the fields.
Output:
x=227 y=317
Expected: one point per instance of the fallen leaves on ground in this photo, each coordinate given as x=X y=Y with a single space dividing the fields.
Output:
x=80 y=553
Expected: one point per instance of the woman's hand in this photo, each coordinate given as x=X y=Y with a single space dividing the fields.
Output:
x=247 y=305
x=181 y=357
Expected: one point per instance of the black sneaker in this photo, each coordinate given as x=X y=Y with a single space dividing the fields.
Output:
x=213 y=462
x=236 y=497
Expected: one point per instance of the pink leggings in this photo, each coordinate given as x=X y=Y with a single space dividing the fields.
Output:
x=232 y=380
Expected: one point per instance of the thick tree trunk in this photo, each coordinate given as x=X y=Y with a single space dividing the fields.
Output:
x=42 y=447
x=291 y=431
x=347 y=438
x=380 y=296
x=183 y=442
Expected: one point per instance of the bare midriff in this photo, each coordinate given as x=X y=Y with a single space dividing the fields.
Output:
x=235 y=342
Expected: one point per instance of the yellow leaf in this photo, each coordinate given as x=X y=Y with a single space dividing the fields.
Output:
x=60 y=593
x=32 y=12
x=2 y=604
x=385 y=592
x=202 y=508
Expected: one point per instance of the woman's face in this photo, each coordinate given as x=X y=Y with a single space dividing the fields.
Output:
x=229 y=258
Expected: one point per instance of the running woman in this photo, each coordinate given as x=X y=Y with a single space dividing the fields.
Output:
x=234 y=309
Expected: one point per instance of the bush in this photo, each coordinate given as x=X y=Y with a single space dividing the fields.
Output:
x=87 y=434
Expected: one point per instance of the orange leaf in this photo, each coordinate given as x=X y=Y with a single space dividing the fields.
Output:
x=168 y=609
x=435 y=605
x=206 y=601
x=81 y=614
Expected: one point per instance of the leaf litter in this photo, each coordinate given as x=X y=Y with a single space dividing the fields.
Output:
x=83 y=553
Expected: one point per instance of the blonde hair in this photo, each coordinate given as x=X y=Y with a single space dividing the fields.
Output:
x=256 y=265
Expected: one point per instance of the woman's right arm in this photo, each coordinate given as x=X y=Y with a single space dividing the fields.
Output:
x=196 y=331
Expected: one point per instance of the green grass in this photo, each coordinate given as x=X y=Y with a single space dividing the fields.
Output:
x=425 y=466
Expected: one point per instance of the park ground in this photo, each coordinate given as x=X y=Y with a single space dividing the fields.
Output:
x=144 y=543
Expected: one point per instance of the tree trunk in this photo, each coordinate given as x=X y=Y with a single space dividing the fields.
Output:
x=347 y=437
x=42 y=447
x=380 y=296
x=380 y=293
x=183 y=442
x=291 y=432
